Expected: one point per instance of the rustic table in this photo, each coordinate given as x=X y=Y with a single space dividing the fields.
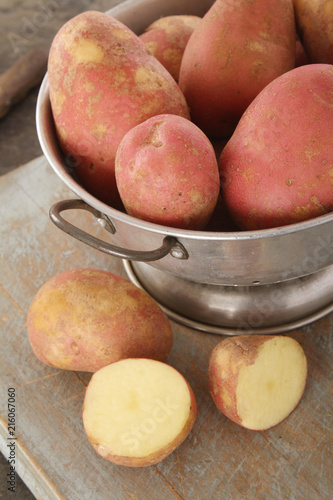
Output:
x=49 y=448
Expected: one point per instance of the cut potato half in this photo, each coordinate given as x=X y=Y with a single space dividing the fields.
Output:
x=257 y=380
x=138 y=411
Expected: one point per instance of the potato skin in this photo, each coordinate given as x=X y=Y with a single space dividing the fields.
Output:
x=102 y=82
x=225 y=362
x=277 y=167
x=167 y=173
x=314 y=19
x=236 y=50
x=167 y=38
x=157 y=456
x=84 y=319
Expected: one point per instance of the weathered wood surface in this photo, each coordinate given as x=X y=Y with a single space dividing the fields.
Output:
x=218 y=460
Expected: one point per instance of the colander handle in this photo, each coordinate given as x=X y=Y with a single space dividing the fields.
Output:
x=169 y=245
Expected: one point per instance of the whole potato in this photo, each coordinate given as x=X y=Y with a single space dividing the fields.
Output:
x=314 y=19
x=167 y=37
x=277 y=168
x=103 y=81
x=167 y=173
x=235 y=51
x=84 y=319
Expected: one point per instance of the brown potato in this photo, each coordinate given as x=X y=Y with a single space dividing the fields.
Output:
x=83 y=319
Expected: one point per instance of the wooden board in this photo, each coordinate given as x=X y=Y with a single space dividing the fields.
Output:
x=218 y=460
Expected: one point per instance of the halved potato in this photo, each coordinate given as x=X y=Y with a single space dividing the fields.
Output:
x=257 y=380
x=138 y=411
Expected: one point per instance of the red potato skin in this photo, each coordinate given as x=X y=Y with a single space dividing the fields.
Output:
x=167 y=38
x=314 y=19
x=167 y=173
x=84 y=319
x=156 y=457
x=225 y=362
x=277 y=168
x=236 y=50
x=103 y=82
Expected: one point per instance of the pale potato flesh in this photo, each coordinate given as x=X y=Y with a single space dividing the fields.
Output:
x=270 y=389
x=135 y=407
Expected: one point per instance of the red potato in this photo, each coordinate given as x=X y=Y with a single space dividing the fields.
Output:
x=314 y=19
x=277 y=168
x=257 y=380
x=167 y=38
x=84 y=319
x=236 y=50
x=103 y=82
x=138 y=411
x=167 y=173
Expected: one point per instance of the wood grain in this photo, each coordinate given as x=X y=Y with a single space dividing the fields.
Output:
x=19 y=79
x=218 y=460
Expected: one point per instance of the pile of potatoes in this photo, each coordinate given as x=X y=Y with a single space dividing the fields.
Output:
x=223 y=122
x=231 y=110
x=138 y=408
